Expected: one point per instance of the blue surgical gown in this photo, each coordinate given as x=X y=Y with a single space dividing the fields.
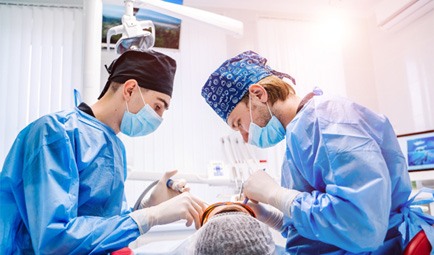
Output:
x=62 y=189
x=346 y=161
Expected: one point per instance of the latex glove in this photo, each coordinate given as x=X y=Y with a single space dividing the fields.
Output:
x=262 y=188
x=268 y=215
x=184 y=206
x=161 y=193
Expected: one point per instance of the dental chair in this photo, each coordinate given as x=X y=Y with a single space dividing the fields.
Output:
x=419 y=245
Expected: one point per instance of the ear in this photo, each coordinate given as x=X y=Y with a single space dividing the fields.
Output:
x=259 y=92
x=128 y=88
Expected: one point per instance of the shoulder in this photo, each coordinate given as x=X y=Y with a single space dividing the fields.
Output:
x=50 y=127
x=342 y=110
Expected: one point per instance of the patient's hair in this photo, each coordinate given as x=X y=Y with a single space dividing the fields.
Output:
x=234 y=233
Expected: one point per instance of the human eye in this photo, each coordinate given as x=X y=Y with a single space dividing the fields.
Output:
x=158 y=108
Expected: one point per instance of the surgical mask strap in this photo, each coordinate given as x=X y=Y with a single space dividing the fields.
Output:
x=127 y=106
x=271 y=114
x=141 y=95
x=250 y=108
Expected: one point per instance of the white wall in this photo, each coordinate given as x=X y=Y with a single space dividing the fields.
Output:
x=189 y=137
x=403 y=64
x=391 y=72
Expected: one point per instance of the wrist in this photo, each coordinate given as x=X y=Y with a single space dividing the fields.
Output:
x=274 y=218
x=145 y=219
x=282 y=199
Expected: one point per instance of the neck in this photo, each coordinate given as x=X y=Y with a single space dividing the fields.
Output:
x=108 y=111
x=286 y=110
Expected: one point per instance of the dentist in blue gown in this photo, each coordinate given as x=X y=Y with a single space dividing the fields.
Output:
x=62 y=183
x=344 y=182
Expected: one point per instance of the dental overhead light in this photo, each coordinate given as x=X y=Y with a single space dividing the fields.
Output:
x=140 y=35
x=136 y=35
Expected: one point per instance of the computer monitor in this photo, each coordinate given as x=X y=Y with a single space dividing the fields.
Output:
x=418 y=149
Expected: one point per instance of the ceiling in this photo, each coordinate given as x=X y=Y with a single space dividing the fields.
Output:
x=275 y=5
x=286 y=6
x=366 y=6
x=69 y=3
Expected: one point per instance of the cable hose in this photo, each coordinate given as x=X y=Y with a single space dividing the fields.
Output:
x=139 y=200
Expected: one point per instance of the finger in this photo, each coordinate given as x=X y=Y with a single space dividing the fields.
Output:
x=181 y=182
x=189 y=221
x=168 y=174
x=185 y=189
x=198 y=208
x=180 y=185
x=196 y=216
x=197 y=223
x=188 y=216
x=201 y=203
x=196 y=211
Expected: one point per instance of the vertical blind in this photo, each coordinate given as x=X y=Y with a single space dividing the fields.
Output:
x=40 y=65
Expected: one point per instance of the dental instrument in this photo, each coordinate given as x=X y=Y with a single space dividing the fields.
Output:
x=177 y=185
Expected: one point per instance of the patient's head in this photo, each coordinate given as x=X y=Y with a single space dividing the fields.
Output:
x=233 y=231
x=222 y=207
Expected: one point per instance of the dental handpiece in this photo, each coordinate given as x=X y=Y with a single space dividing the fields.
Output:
x=176 y=185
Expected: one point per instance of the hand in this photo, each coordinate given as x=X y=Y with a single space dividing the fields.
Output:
x=260 y=187
x=161 y=193
x=268 y=215
x=184 y=206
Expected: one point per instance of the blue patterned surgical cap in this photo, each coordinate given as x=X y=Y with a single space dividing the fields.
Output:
x=227 y=85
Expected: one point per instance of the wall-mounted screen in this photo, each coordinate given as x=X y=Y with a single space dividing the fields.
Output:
x=418 y=149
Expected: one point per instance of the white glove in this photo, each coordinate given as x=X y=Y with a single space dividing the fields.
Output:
x=268 y=215
x=184 y=206
x=161 y=193
x=262 y=188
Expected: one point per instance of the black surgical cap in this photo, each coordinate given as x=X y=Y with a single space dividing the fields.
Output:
x=151 y=69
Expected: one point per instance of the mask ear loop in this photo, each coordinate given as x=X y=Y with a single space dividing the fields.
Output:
x=269 y=109
x=141 y=95
x=250 y=108
x=128 y=110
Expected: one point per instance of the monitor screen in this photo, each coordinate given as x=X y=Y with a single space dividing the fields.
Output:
x=418 y=149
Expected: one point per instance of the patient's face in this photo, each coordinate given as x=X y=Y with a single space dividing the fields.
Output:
x=222 y=207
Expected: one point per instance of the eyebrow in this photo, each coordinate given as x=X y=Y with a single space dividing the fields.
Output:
x=166 y=104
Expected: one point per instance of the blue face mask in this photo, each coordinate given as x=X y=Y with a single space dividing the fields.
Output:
x=267 y=136
x=142 y=123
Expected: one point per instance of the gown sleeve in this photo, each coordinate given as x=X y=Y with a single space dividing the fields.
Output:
x=350 y=200
x=51 y=191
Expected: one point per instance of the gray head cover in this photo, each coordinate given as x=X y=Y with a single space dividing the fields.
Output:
x=234 y=233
